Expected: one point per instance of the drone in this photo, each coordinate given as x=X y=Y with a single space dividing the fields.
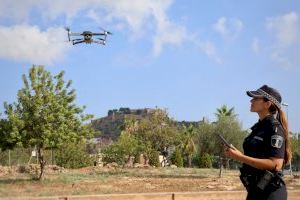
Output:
x=87 y=37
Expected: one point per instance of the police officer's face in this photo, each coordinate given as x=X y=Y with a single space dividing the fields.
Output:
x=259 y=105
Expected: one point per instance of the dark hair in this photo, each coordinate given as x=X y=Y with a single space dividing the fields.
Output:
x=284 y=123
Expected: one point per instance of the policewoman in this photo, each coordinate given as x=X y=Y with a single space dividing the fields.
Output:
x=266 y=150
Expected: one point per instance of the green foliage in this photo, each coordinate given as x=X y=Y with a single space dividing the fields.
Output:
x=205 y=138
x=147 y=136
x=189 y=147
x=9 y=134
x=231 y=129
x=73 y=155
x=207 y=141
x=295 y=145
x=153 y=158
x=176 y=158
x=158 y=130
x=224 y=111
x=44 y=115
x=205 y=161
x=112 y=153
x=126 y=146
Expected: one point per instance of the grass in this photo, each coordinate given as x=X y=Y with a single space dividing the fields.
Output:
x=101 y=180
x=93 y=180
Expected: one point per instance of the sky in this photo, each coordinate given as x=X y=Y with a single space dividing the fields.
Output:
x=189 y=57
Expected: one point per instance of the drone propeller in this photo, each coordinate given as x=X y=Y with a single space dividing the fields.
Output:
x=101 y=41
x=105 y=31
x=68 y=29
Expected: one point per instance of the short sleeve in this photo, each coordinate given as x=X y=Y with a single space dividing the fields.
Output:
x=276 y=143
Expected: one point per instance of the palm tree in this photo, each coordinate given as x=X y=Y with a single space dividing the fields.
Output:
x=189 y=145
x=224 y=111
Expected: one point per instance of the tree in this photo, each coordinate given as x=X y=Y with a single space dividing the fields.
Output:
x=44 y=115
x=150 y=135
x=176 y=158
x=158 y=130
x=224 y=111
x=189 y=145
x=228 y=125
x=295 y=145
x=122 y=150
x=205 y=138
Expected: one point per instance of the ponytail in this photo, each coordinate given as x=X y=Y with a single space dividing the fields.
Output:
x=283 y=120
x=281 y=117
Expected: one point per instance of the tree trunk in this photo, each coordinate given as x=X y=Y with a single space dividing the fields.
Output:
x=221 y=167
x=42 y=163
x=190 y=160
x=227 y=163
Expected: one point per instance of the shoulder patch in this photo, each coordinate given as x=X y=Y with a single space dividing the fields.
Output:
x=276 y=141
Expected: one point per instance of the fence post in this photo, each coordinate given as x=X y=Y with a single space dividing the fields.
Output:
x=9 y=158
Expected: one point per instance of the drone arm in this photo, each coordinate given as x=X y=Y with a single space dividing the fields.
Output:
x=99 y=34
x=75 y=34
x=77 y=42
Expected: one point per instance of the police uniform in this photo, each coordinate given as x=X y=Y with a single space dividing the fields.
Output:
x=265 y=141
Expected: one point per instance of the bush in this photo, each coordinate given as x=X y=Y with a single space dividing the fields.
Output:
x=154 y=158
x=205 y=161
x=176 y=158
x=73 y=155
x=112 y=153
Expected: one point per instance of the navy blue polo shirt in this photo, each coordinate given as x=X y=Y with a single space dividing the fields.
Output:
x=266 y=140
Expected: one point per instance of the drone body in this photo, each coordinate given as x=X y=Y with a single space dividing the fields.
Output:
x=87 y=37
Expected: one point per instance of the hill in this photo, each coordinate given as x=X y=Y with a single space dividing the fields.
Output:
x=110 y=126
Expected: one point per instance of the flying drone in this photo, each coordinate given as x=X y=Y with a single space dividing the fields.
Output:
x=87 y=37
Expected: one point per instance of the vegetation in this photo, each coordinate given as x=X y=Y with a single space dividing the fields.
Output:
x=44 y=115
x=176 y=158
x=45 y=119
x=73 y=155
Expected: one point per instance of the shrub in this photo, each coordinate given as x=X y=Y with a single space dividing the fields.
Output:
x=73 y=155
x=176 y=158
x=154 y=158
x=112 y=153
x=205 y=161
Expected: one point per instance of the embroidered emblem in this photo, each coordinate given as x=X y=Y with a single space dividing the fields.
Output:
x=276 y=141
x=258 y=138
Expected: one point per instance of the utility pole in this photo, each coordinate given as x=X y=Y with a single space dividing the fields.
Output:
x=287 y=118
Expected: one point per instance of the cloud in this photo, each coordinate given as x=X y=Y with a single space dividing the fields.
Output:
x=285 y=28
x=206 y=47
x=285 y=39
x=228 y=28
x=256 y=46
x=136 y=15
x=29 y=43
x=16 y=11
x=143 y=19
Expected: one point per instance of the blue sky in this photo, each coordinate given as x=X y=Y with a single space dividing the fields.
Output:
x=189 y=57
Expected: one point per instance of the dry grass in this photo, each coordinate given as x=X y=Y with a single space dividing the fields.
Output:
x=93 y=180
